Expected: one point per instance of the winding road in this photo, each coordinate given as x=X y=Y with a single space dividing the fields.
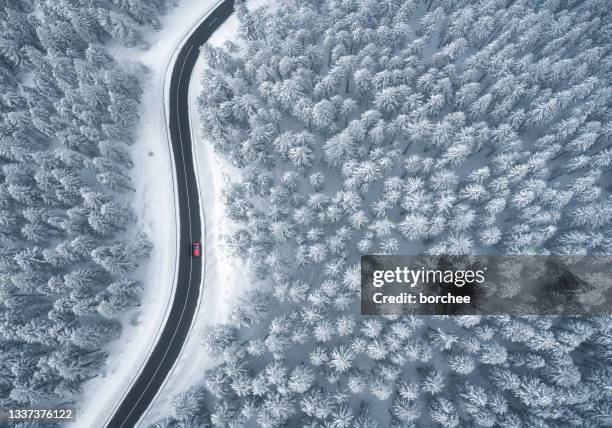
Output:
x=189 y=275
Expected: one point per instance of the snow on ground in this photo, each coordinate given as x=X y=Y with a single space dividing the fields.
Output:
x=225 y=278
x=154 y=203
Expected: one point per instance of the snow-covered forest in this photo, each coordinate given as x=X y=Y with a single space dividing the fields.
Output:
x=67 y=247
x=407 y=127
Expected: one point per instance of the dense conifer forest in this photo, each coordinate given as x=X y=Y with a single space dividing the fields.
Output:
x=67 y=112
x=407 y=127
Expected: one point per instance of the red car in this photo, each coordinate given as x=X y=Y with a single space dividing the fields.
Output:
x=195 y=249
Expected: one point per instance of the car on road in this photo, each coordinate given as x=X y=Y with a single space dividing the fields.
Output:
x=195 y=249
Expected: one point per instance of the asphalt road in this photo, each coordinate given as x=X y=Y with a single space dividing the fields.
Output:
x=182 y=312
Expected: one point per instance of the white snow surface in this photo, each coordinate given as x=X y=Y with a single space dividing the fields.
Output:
x=156 y=207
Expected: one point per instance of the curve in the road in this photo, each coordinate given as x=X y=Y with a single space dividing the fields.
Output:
x=184 y=305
